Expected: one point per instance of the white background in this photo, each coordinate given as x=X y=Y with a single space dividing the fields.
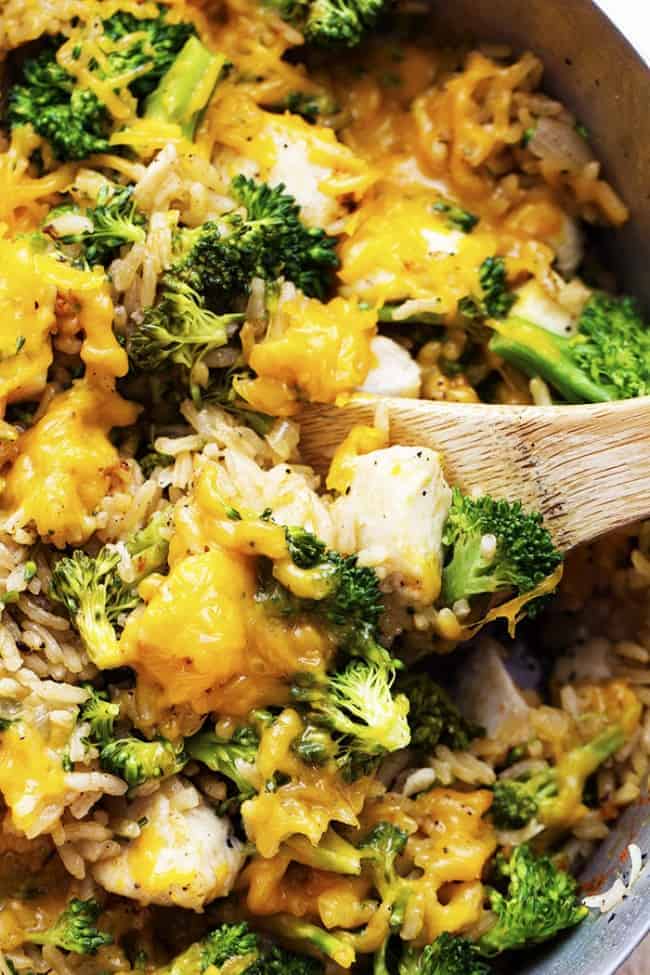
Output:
x=633 y=18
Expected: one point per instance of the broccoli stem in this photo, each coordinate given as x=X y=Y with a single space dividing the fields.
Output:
x=295 y=929
x=333 y=853
x=538 y=352
x=186 y=88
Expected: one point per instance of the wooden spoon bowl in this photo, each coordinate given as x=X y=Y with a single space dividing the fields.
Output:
x=585 y=468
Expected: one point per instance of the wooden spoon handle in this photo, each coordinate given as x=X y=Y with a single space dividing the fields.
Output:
x=586 y=468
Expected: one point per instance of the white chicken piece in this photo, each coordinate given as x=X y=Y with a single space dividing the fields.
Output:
x=185 y=855
x=392 y=516
x=394 y=372
x=568 y=245
x=487 y=692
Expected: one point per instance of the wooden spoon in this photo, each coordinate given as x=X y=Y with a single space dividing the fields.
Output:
x=585 y=468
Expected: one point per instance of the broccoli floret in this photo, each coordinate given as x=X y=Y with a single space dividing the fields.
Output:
x=94 y=594
x=549 y=791
x=457 y=217
x=227 y=943
x=448 y=955
x=157 y=45
x=341 y=22
x=75 y=929
x=186 y=87
x=137 y=761
x=357 y=706
x=232 y=757
x=496 y=300
x=350 y=602
x=101 y=713
x=72 y=118
x=235 y=948
x=352 y=592
x=178 y=329
x=493 y=546
x=268 y=241
x=95 y=597
x=115 y=222
x=541 y=901
x=608 y=358
x=433 y=717
x=281 y=244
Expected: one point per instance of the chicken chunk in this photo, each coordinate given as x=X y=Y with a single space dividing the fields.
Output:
x=393 y=516
x=185 y=855
x=488 y=694
x=394 y=372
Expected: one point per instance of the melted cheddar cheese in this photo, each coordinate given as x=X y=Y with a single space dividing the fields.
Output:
x=313 y=351
x=31 y=779
x=63 y=469
x=27 y=303
x=30 y=284
x=308 y=803
x=203 y=638
x=400 y=247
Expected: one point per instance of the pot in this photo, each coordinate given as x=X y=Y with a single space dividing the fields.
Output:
x=594 y=70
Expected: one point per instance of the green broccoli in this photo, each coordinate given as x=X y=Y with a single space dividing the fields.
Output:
x=433 y=717
x=356 y=705
x=233 y=757
x=496 y=300
x=234 y=943
x=95 y=595
x=608 y=358
x=493 y=546
x=115 y=222
x=235 y=948
x=448 y=955
x=541 y=901
x=186 y=87
x=311 y=936
x=350 y=603
x=352 y=595
x=75 y=929
x=101 y=713
x=72 y=118
x=457 y=217
x=548 y=792
x=331 y=23
x=268 y=241
x=178 y=329
x=137 y=761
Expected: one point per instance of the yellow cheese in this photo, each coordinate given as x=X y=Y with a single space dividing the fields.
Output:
x=64 y=464
x=401 y=247
x=27 y=303
x=360 y=440
x=192 y=635
x=318 y=352
x=31 y=779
